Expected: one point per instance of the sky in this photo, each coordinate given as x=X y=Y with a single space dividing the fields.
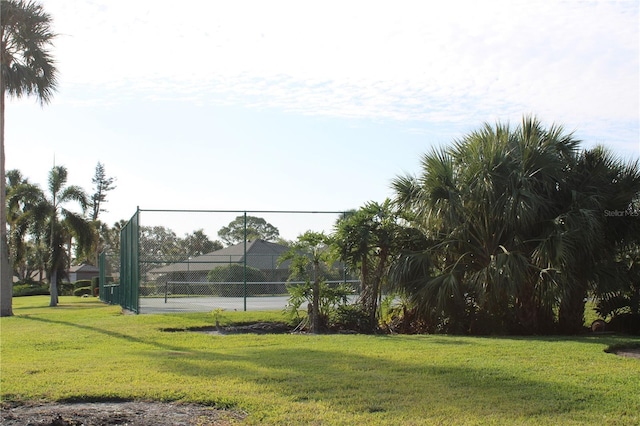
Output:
x=311 y=106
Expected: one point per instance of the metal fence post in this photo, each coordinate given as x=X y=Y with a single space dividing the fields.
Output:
x=245 y=261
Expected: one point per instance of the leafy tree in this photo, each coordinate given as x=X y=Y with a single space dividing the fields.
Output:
x=102 y=185
x=160 y=243
x=107 y=241
x=35 y=257
x=26 y=68
x=110 y=237
x=256 y=228
x=198 y=243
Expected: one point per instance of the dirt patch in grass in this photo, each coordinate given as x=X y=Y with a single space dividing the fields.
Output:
x=628 y=352
x=254 y=328
x=130 y=413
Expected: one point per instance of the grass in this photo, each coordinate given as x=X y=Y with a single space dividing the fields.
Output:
x=84 y=350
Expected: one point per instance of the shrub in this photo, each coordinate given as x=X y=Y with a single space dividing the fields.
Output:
x=30 y=289
x=335 y=311
x=65 y=288
x=82 y=283
x=82 y=291
x=234 y=273
x=95 y=284
x=402 y=317
x=625 y=323
x=350 y=317
x=150 y=289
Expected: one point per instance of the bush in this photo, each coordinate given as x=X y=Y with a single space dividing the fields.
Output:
x=30 y=289
x=625 y=323
x=335 y=311
x=234 y=273
x=82 y=283
x=150 y=289
x=65 y=288
x=95 y=282
x=350 y=317
x=82 y=291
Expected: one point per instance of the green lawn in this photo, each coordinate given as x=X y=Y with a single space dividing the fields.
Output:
x=84 y=350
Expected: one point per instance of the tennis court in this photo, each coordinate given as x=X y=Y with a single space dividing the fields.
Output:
x=158 y=272
x=150 y=305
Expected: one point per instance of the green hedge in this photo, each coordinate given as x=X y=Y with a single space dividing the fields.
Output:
x=65 y=288
x=82 y=283
x=95 y=284
x=82 y=291
x=30 y=290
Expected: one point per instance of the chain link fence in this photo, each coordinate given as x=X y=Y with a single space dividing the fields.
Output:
x=171 y=260
x=109 y=286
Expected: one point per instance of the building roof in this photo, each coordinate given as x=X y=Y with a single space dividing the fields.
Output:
x=84 y=267
x=261 y=254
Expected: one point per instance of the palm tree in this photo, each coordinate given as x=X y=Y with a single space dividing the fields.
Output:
x=22 y=195
x=600 y=224
x=307 y=255
x=60 y=225
x=367 y=240
x=27 y=68
x=484 y=203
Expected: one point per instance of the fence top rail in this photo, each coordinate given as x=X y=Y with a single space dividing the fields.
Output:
x=256 y=282
x=175 y=262
x=239 y=211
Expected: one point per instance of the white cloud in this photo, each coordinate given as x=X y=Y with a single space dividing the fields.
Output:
x=456 y=62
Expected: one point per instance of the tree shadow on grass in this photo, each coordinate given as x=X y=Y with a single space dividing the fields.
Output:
x=356 y=384
x=297 y=370
x=109 y=333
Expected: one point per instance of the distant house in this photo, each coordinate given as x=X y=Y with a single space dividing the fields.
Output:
x=260 y=254
x=83 y=271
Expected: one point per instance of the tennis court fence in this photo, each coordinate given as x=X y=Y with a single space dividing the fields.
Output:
x=156 y=270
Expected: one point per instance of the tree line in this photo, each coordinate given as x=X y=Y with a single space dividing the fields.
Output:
x=507 y=230
x=46 y=232
x=510 y=230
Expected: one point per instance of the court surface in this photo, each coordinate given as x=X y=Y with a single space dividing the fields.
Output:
x=151 y=305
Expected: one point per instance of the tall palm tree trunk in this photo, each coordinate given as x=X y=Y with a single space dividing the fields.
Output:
x=571 y=313
x=526 y=308
x=315 y=307
x=53 y=288
x=375 y=290
x=25 y=37
x=6 y=275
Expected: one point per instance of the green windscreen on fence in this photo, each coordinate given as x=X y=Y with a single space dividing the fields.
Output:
x=129 y=264
x=109 y=266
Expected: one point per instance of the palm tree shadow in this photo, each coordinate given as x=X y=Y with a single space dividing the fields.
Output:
x=109 y=333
